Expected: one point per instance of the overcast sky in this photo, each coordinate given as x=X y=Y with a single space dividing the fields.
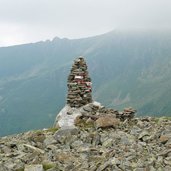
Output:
x=23 y=21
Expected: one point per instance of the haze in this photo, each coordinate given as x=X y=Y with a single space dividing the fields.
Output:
x=24 y=21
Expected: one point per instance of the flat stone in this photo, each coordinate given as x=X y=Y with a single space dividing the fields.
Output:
x=3 y=168
x=108 y=142
x=165 y=152
x=106 y=121
x=62 y=134
x=164 y=138
x=166 y=168
x=87 y=108
x=34 y=168
x=143 y=134
x=49 y=140
x=139 y=169
x=135 y=130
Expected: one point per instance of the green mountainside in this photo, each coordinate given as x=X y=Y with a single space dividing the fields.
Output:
x=127 y=69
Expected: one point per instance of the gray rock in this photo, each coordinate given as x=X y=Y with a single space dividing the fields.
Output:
x=65 y=134
x=3 y=168
x=139 y=169
x=107 y=121
x=125 y=140
x=63 y=120
x=165 y=152
x=151 y=168
x=135 y=130
x=108 y=143
x=166 y=168
x=104 y=166
x=144 y=133
x=87 y=108
x=33 y=168
x=77 y=144
x=167 y=161
x=49 y=140
x=114 y=161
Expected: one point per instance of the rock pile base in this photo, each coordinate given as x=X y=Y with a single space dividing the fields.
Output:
x=128 y=113
x=94 y=111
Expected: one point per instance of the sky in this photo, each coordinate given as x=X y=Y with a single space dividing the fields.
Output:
x=26 y=21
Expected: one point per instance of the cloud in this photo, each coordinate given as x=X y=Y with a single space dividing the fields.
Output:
x=29 y=20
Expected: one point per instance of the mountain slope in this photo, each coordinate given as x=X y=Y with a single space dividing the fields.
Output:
x=127 y=69
x=137 y=144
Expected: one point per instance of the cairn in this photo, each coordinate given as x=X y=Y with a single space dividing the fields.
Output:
x=128 y=114
x=79 y=84
x=81 y=107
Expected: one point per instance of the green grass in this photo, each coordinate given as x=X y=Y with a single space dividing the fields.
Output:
x=47 y=166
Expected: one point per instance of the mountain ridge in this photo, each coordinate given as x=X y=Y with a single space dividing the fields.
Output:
x=127 y=69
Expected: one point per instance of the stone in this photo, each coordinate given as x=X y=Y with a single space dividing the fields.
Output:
x=128 y=114
x=143 y=134
x=64 y=120
x=107 y=121
x=34 y=168
x=108 y=143
x=167 y=161
x=63 y=134
x=164 y=138
x=140 y=169
x=3 y=168
x=89 y=121
x=77 y=144
x=49 y=140
x=34 y=148
x=104 y=166
x=168 y=144
x=87 y=108
x=166 y=168
x=165 y=152
x=126 y=140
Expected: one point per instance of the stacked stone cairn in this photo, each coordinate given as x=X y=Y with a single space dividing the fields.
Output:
x=80 y=94
x=128 y=114
x=79 y=84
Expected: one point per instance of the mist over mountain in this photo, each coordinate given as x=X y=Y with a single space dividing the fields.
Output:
x=127 y=69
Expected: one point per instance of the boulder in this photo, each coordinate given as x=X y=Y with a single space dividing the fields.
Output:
x=34 y=168
x=106 y=121
x=164 y=138
x=65 y=134
x=66 y=117
x=3 y=168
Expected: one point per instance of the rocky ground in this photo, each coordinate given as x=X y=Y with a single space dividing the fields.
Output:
x=141 y=144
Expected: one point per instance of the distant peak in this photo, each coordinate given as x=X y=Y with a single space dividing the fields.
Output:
x=56 y=38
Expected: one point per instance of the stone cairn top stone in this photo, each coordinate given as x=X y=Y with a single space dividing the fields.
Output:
x=79 y=84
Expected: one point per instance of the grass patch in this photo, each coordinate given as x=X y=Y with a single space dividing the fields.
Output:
x=83 y=124
x=20 y=169
x=47 y=166
x=159 y=119
x=53 y=130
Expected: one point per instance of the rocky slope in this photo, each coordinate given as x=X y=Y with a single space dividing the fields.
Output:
x=99 y=143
